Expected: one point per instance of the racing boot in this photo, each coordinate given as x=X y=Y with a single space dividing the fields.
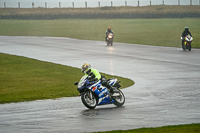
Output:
x=114 y=91
x=183 y=46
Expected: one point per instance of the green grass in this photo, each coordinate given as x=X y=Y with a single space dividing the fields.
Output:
x=190 y=128
x=24 y=79
x=159 y=32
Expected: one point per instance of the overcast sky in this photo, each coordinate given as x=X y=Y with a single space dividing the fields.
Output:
x=90 y=3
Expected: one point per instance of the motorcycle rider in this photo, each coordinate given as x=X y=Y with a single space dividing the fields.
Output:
x=86 y=68
x=107 y=32
x=185 y=33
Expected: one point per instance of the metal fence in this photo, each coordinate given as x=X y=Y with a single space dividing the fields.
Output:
x=85 y=4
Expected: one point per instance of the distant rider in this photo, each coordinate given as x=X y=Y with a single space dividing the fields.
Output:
x=107 y=32
x=86 y=68
x=185 y=33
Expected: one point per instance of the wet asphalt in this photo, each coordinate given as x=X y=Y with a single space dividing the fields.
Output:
x=166 y=90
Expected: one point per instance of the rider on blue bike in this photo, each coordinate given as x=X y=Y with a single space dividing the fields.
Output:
x=86 y=68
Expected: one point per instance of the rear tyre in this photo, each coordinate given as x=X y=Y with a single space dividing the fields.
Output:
x=89 y=100
x=119 y=100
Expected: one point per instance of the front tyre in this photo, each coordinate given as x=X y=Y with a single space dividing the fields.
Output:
x=89 y=100
x=119 y=100
x=111 y=42
x=108 y=42
x=189 y=46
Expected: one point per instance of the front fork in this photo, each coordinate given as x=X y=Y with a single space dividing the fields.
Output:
x=90 y=95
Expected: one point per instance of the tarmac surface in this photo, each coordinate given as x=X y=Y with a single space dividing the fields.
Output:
x=166 y=90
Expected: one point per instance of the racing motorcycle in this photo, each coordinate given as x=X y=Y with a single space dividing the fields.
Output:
x=109 y=39
x=93 y=93
x=187 y=42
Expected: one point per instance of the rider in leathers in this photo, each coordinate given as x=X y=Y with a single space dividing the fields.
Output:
x=86 y=68
x=107 y=32
x=185 y=33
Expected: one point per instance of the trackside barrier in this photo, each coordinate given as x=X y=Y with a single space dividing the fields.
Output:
x=5 y=5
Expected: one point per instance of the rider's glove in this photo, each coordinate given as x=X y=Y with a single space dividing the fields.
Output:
x=93 y=79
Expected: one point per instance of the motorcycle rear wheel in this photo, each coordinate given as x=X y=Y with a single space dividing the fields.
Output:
x=119 y=100
x=89 y=102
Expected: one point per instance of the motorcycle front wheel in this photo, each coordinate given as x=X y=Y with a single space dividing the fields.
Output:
x=119 y=100
x=189 y=46
x=89 y=100
x=108 y=42
x=111 y=42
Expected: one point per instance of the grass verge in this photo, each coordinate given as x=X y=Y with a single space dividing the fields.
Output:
x=159 y=32
x=190 y=128
x=25 y=79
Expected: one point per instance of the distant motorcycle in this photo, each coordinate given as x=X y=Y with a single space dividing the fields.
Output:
x=93 y=93
x=187 y=42
x=109 y=39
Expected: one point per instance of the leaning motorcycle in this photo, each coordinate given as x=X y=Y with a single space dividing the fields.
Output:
x=109 y=39
x=187 y=42
x=93 y=93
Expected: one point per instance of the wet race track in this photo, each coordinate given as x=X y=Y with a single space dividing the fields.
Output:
x=166 y=90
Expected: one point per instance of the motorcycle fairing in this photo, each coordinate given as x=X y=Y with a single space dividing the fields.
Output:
x=112 y=81
x=102 y=93
x=84 y=83
x=110 y=36
x=188 y=38
x=98 y=89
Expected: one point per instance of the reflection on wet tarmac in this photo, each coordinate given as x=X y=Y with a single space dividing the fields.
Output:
x=102 y=111
x=166 y=90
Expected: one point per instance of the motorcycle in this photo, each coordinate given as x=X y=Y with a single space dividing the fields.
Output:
x=93 y=93
x=109 y=39
x=187 y=42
